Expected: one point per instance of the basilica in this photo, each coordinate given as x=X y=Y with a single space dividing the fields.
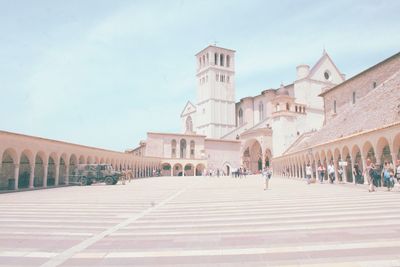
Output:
x=220 y=133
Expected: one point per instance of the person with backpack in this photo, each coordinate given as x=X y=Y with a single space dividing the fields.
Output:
x=369 y=173
x=388 y=176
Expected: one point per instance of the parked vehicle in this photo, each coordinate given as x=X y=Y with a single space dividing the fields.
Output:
x=97 y=173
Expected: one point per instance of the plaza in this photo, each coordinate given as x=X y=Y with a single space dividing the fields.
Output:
x=201 y=221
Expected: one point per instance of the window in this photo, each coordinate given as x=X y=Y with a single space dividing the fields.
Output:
x=227 y=79
x=216 y=77
x=215 y=59
x=192 y=145
x=228 y=61
x=208 y=59
x=327 y=75
x=287 y=106
x=277 y=108
x=173 y=148
x=204 y=60
x=189 y=124
x=240 y=116
x=295 y=108
x=374 y=85
x=221 y=60
x=354 y=97
x=334 y=106
x=183 y=148
x=261 y=111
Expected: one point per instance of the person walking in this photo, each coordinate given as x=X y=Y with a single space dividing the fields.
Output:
x=267 y=174
x=308 y=173
x=331 y=172
x=369 y=174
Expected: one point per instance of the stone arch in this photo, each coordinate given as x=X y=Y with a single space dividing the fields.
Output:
x=383 y=151
x=7 y=175
x=368 y=151
x=200 y=169
x=189 y=169
x=166 y=169
x=182 y=148
x=96 y=160
x=81 y=160
x=178 y=170
x=227 y=168
x=396 y=147
x=89 y=160
x=25 y=169
x=102 y=161
x=346 y=156
x=51 y=169
x=252 y=156
x=40 y=162
x=356 y=156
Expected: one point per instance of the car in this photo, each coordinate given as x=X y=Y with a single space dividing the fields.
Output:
x=97 y=173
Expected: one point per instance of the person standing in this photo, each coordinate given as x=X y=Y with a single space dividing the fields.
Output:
x=331 y=172
x=308 y=173
x=369 y=175
x=267 y=174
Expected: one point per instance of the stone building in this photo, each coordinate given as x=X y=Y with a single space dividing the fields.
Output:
x=257 y=127
x=362 y=121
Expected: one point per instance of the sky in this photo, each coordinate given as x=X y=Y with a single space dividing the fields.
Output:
x=104 y=73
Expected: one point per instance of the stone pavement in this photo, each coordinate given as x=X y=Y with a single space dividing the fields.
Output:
x=201 y=221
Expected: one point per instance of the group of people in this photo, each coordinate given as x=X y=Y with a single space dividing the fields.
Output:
x=376 y=176
x=239 y=172
x=385 y=176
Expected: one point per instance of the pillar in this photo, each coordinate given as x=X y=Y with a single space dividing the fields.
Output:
x=32 y=176
x=336 y=165
x=67 y=174
x=364 y=163
x=46 y=169
x=394 y=159
x=16 y=176
x=57 y=178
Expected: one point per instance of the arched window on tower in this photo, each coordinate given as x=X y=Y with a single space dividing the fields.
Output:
x=208 y=60
x=228 y=61
x=261 y=111
x=240 y=116
x=334 y=106
x=189 y=124
x=183 y=148
x=192 y=145
x=221 y=60
x=215 y=59
x=287 y=106
x=173 y=148
x=204 y=60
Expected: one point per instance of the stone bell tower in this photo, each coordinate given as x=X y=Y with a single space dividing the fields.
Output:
x=215 y=91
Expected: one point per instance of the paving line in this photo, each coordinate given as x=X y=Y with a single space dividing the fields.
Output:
x=262 y=229
x=67 y=254
x=243 y=251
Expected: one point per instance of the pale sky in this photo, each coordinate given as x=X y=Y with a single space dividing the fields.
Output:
x=103 y=73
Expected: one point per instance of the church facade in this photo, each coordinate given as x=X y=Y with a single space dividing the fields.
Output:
x=220 y=133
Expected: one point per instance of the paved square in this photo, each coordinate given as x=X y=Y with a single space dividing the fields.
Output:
x=201 y=221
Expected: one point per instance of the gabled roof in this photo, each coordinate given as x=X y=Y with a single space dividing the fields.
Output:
x=317 y=65
x=381 y=105
x=188 y=109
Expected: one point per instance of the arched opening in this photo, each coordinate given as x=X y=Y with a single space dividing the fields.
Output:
x=89 y=160
x=228 y=61
x=166 y=169
x=192 y=151
x=215 y=59
x=267 y=158
x=51 y=171
x=396 y=148
x=189 y=124
x=39 y=170
x=287 y=106
x=173 y=148
x=182 y=148
x=178 y=170
x=24 y=170
x=200 y=169
x=252 y=157
x=240 y=116
x=63 y=170
x=221 y=60
x=349 y=168
x=260 y=111
x=189 y=170
x=81 y=160
x=7 y=181
x=383 y=151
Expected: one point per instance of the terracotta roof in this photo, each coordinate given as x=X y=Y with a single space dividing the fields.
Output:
x=381 y=105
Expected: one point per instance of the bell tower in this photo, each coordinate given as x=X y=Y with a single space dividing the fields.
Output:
x=215 y=91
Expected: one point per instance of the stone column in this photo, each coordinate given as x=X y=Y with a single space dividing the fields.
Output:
x=46 y=169
x=32 y=176
x=336 y=165
x=16 y=176
x=67 y=174
x=394 y=159
x=57 y=178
